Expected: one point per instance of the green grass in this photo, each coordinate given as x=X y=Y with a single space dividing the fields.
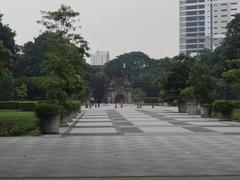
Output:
x=236 y=115
x=18 y=123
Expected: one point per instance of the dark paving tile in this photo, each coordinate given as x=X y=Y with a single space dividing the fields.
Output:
x=92 y=121
x=167 y=119
x=130 y=130
x=179 y=123
x=83 y=127
x=124 y=123
x=199 y=129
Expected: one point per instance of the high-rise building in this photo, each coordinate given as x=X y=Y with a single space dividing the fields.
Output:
x=203 y=23
x=100 y=58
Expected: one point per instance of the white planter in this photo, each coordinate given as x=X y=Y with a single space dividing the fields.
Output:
x=192 y=109
x=50 y=126
x=182 y=107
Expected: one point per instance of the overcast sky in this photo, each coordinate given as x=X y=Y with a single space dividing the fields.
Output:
x=117 y=26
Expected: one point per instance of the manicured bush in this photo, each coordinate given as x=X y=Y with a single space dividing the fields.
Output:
x=71 y=107
x=45 y=111
x=237 y=103
x=27 y=106
x=224 y=107
x=17 y=123
x=150 y=100
x=11 y=105
x=236 y=114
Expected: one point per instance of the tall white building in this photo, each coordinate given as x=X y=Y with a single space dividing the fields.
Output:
x=203 y=23
x=100 y=58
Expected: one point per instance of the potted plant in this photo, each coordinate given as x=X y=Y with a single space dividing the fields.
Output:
x=225 y=108
x=202 y=88
x=48 y=115
x=191 y=105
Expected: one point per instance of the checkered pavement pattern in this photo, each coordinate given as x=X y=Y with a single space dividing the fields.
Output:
x=129 y=120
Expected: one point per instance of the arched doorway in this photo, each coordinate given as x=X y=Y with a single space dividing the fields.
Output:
x=119 y=89
x=120 y=98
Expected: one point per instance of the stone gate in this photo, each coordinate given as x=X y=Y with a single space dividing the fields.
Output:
x=119 y=89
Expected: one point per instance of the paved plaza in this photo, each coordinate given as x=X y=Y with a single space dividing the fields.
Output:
x=128 y=143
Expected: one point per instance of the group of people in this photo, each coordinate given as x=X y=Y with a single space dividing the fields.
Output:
x=95 y=102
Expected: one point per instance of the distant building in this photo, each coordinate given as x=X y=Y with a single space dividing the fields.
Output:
x=203 y=23
x=100 y=58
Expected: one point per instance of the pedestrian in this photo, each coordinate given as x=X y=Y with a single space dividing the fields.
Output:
x=92 y=101
x=98 y=102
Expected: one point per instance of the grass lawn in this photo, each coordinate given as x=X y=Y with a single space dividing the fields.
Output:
x=236 y=115
x=18 y=123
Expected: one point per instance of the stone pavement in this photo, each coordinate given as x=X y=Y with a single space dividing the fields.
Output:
x=128 y=143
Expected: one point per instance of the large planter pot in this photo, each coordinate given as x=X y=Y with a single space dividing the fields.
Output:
x=205 y=111
x=225 y=116
x=182 y=107
x=192 y=108
x=50 y=126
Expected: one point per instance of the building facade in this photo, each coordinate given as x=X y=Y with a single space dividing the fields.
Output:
x=203 y=23
x=100 y=58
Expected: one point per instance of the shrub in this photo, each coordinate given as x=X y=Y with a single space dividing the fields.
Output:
x=224 y=107
x=45 y=111
x=27 y=106
x=11 y=105
x=71 y=106
x=150 y=100
x=237 y=103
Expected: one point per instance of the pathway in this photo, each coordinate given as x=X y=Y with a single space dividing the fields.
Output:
x=128 y=143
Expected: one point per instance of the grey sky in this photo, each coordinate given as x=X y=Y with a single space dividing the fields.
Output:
x=118 y=26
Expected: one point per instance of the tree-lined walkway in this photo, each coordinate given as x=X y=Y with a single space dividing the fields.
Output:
x=147 y=121
x=128 y=143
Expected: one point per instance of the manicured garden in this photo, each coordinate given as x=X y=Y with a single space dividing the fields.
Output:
x=18 y=123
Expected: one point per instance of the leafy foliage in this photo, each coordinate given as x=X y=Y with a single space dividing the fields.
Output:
x=64 y=22
x=138 y=95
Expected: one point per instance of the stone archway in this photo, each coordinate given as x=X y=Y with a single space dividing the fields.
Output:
x=119 y=86
x=120 y=98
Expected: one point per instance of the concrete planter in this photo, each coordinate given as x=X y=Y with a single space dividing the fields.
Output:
x=205 y=111
x=182 y=107
x=192 y=109
x=225 y=117
x=50 y=126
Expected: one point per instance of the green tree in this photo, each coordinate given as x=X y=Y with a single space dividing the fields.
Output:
x=138 y=95
x=97 y=81
x=7 y=36
x=33 y=53
x=136 y=66
x=65 y=23
x=202 y=84
x=176 y=79
x=64 y=68
x=231 y=44
x=6 y=79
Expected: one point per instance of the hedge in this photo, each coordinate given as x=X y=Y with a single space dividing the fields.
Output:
x=11 y=105
x=18 y=105
x=225 y=107
x=45 y=111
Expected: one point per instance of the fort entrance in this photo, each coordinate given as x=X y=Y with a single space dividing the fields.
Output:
x=119 y=90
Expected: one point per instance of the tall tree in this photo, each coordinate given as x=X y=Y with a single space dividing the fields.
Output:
x=64 y=68
x=7 y=36
x=6 y=80
x=65 y=23
x=231 y=44
x=33 y=53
